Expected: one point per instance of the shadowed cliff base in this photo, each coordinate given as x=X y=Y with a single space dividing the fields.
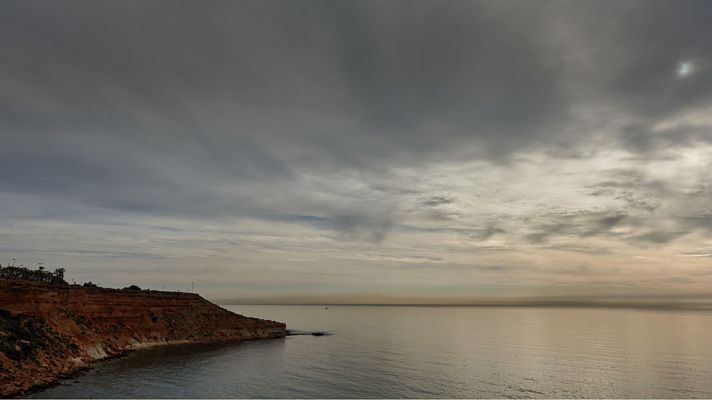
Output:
x=50 y=331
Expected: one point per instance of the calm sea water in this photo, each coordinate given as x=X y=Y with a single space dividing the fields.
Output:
x=407 y=352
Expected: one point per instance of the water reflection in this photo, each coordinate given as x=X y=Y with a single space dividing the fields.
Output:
x=430 y=352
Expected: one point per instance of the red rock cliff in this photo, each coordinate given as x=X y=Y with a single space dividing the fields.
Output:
x=49 y=331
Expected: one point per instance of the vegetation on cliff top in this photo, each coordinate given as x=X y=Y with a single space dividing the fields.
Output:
x=56 y=277
x=41 y=275
x=21 y=273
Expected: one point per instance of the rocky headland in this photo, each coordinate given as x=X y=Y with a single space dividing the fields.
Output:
x=51 y=331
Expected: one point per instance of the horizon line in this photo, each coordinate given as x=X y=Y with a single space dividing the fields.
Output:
x=687 y=305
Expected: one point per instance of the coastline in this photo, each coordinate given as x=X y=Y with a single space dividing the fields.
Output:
x=51 y=332
x=57 y=381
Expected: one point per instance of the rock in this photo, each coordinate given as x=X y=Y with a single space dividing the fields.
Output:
x=73 y=326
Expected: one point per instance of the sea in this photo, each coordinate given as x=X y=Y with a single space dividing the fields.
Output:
x=427 y=352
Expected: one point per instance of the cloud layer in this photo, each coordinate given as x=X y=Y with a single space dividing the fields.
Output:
x=278 y=149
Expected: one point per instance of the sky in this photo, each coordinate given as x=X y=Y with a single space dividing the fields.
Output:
x=361 y=151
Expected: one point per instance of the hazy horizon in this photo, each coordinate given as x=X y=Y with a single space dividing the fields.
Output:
x=362 y=151
x=672 y=301
x=676 y=304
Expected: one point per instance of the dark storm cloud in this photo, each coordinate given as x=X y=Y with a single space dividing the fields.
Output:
x=350 y=82
x=653 y=38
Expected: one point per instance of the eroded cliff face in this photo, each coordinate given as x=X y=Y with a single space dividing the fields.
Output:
x=49 y=331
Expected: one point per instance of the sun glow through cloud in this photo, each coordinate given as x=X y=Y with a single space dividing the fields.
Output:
x=685 y=69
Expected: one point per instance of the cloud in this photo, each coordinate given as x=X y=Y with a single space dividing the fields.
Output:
x=580 y=225
x=267 y=136
x=437 y=201
x=658 y=237
x=486 y=233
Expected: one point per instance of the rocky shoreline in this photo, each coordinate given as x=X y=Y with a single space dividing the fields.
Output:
x=50 y=332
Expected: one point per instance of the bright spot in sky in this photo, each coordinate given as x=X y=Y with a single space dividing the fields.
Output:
x=684 y=69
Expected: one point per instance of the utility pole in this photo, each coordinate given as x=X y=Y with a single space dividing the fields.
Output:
x=192 y=287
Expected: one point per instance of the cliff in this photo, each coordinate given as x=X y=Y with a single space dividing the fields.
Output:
x=48 y=331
